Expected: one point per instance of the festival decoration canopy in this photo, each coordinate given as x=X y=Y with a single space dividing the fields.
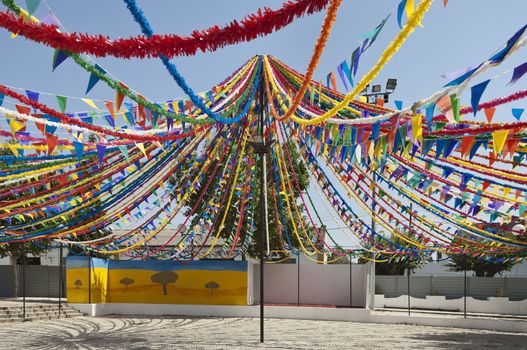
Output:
x=430 y=175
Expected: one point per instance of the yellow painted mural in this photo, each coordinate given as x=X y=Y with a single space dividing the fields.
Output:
x=156 y=282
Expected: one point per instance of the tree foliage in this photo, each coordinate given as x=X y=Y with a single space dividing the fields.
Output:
x=483 y=265
x=278 y=220
x=17 y=250
x=394 y=264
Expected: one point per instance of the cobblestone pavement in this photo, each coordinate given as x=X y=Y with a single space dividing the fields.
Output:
x=241 y=333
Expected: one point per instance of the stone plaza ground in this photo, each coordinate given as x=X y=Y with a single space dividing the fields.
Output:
x=241 y=333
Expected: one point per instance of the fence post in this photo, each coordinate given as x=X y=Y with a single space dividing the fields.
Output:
x=351 y=283
x=408 y=291
x=24 y=286
x=298 y=278
x=89 y=278
x=60 y=279
x=465 y=289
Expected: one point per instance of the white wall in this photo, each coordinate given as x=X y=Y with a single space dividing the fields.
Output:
x=452 y=286
x=489 y=306
x=52 y=257
x=5 y=261
x=49 y=258
x=305 y=313
x=319 y=284
x=440 y=269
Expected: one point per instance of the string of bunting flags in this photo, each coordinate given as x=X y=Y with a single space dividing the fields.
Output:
x=110 y=179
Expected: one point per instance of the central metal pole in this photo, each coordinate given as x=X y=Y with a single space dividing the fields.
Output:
x=262 y=243
x=262 y=152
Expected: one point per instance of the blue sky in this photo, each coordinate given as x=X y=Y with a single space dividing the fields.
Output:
x=463 y=34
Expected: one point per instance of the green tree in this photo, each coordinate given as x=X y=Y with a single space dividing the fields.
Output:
x=398 y=264
x=276 y=227
x=483 y=265
x=488 y=266
x=18 y=251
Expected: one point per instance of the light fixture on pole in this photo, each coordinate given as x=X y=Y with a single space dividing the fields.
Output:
x=376 y=91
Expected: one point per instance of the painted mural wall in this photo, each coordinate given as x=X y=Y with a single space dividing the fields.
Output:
x=209 y=282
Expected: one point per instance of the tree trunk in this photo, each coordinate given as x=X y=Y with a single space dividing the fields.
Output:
x=16 y=286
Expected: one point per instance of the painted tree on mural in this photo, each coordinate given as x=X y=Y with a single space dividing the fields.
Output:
x=164 y=278
x=78 y=284
x=126 y=282
x=212 y=285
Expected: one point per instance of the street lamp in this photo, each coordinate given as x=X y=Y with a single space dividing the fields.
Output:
x=518 y=230
x=376 y=91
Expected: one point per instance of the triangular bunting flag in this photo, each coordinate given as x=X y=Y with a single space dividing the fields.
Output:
x=62 y=100
x=32 y=95
x=489 y=113
x=518 y=73
x=109 y=118
x=142 y=148
x=517 y=113
x=466 y=145
x=94 y=79
x=51 y=141
x=445 y=106
x=124 y=151
x=100 y=152
x=498 y=140
x=454 y=99
x=59 y=56
x=89 y=102
x=119 y=97
x=477 y=92
x=16 y=126
x=79 y=149
x=400 y=9
x=32 y=6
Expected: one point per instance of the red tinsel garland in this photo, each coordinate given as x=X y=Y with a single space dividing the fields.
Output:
x=257 y=24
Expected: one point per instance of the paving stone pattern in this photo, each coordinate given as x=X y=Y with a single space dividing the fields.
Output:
x=241 y=333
